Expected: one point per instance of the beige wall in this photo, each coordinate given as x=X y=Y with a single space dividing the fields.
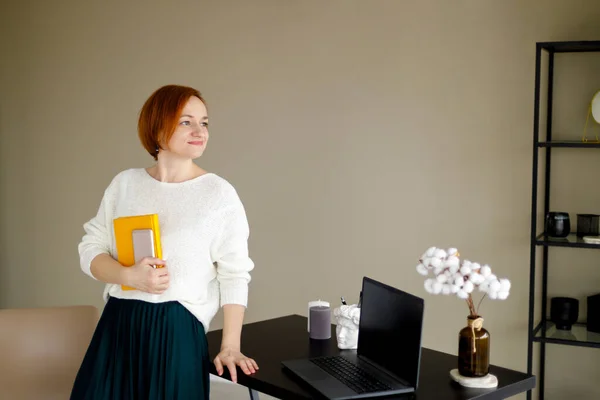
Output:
x=357 y=133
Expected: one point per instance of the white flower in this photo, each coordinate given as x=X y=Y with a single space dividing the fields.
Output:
x=484 y=286
x=495 y=286
x=453 y=268
x=468 y=286
x=502 y=295
x=496 y=289
x=480 y=279
x=452 y=262
x=446 y=289
x=439 y=253
x=485 y=271
x=465 y=270
x=453 y=276
x=429 y=285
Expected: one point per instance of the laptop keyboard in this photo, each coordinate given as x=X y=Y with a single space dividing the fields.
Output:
x=350 y=374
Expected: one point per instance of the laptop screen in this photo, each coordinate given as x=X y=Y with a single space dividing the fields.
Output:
x=390 y=329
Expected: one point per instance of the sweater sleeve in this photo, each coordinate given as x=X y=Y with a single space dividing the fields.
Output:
x=97 y=238
x=230 y=253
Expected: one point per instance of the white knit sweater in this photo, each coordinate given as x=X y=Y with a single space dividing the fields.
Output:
x=204 y=235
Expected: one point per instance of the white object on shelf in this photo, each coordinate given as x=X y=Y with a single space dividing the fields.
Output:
x=595 y=107
x=485 y=382
x=592 y=239
x=594 y=112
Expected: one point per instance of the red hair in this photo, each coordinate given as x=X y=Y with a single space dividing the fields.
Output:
x=160 y=114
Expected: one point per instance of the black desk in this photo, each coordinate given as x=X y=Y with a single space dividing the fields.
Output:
x=272 y=341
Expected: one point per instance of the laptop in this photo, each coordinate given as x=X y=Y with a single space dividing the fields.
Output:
x=388 y=356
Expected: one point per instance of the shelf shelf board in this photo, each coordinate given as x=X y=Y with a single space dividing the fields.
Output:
x=572 y=240
x=546 y=332
x=571 y=46
x=570 y=143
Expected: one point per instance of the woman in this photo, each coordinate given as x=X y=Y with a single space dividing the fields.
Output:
x=150 y=342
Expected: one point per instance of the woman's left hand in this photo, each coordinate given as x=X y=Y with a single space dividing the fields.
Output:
x=230 y=358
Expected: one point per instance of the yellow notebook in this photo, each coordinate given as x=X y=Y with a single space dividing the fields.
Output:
x=125 y=228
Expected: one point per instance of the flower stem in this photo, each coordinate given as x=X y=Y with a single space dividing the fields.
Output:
x=472 y=311
x=479 y=305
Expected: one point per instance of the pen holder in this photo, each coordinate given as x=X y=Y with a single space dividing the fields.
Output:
x=319 y=322
x=347 y=323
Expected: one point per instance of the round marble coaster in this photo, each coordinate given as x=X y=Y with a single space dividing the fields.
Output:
x=488 y=381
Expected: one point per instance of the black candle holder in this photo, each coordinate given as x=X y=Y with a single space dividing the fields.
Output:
x=587 y=224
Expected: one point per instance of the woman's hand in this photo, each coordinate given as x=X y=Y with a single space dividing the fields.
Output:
x=230 y=358
x=143 y=276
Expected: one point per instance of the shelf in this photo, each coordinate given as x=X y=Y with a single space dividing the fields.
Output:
x=577 y=336
x=571 y=143
x=570 y=241
x=571 y=47
x=545 y=331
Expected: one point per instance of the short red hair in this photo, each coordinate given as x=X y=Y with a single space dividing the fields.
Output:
x=160 y=114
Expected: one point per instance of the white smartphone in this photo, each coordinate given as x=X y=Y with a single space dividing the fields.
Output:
x=143 y=244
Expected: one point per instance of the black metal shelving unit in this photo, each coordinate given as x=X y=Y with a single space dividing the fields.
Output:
x=543 y=332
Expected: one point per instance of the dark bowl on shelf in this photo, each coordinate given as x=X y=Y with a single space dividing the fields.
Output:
x=558 y=224
x=564 y=312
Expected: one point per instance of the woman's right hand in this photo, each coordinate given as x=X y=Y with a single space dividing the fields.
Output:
x=143 y=276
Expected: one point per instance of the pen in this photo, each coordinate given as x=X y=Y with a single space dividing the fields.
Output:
x=359 y=299
x=343 y=301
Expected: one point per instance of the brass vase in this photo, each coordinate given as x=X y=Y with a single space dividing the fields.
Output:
x=474 y=349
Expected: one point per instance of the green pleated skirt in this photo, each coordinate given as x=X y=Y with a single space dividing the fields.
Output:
x=145 y=351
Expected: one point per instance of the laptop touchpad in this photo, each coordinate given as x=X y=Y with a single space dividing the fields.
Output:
x=313 y=373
